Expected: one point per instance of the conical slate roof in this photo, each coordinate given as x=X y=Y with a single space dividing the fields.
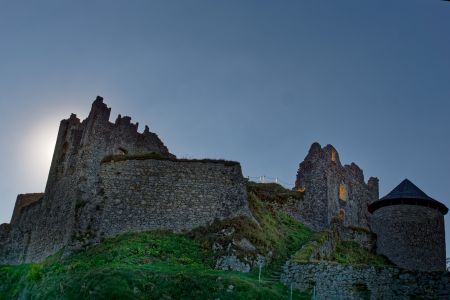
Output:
x=407 y=193
x=407 y=189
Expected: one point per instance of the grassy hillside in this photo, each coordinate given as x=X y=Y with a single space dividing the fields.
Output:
x=163 y=265
x=351 y=253
x=151 y=265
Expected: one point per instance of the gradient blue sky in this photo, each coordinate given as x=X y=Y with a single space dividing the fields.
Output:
x=253 y=81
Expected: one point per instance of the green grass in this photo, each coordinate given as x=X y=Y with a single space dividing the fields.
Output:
x=351 y=253
x=305 y=252
x=274 y=231
x=274 y=193
x=164 y=265
x=149 y=265
x=159 y=156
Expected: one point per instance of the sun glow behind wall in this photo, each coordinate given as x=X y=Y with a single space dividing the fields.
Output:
x=40 y=143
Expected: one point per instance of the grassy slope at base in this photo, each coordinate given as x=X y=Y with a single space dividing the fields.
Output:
x=163 y=265
x=150 y=265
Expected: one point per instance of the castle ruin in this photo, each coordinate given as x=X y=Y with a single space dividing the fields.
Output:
x=107 y=178
x=406 y=226
x=142 y=186
x=332 y=190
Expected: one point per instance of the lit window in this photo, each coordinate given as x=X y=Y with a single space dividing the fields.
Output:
x=342 y=192
x=333 y=155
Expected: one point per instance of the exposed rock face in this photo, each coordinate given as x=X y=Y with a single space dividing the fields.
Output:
x=233 y=263
x=332 y=190
x=82 y=197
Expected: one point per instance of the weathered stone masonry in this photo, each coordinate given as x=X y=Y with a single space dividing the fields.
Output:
x=75 y=208
x=164 y=194
x=334 y=281
x=411 y=236
x=410 y=228
x=333 y=190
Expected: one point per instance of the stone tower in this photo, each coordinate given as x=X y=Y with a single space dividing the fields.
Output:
x=410 y=228
x=331 y=190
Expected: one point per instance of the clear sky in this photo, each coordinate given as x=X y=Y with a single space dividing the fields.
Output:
x=253 y=81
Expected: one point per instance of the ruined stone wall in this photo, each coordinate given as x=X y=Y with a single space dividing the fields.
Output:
x=333 y=190
x=86 y=200
x=411 y=236
x=15 y=237
x=15 y=246
x=4 y=241
x=149 y=194
x=68 y=206
x=334 y=281
x=22 y=201
x=99 y=139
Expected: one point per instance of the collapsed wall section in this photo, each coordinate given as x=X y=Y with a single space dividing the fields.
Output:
x=173 y=195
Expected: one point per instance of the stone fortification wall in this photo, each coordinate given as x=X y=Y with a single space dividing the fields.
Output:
x=4 y=240
x=4 y=231
x=334 y=281
x=15 y=245
x=68 y=206
x=22 y=201
x=88 y=198
x=165 y=194
x=411 y=236
x=333 y=190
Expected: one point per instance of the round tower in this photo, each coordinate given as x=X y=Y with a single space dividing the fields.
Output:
x=410 y=228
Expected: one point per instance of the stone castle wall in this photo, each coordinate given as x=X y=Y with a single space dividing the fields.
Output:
x=22 y=201
x=72 y=182
x=333 y=190
x=169 y=195
x=334 y=281
x=411 y=236
x=76 y=205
